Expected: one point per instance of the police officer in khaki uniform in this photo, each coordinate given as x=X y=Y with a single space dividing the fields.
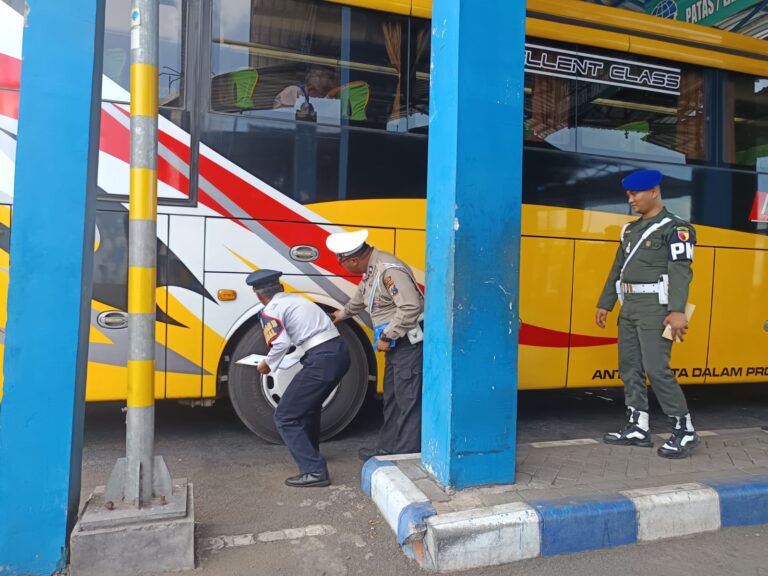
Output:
x=651 y=274
x=393 y=299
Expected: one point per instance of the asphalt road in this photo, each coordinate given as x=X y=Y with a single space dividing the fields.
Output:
x=238 y=482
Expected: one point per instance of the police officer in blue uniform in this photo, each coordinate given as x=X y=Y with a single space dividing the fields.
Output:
x=291 y=320
x=651 y=274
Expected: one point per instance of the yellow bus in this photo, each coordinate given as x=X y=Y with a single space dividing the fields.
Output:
x=283 y=121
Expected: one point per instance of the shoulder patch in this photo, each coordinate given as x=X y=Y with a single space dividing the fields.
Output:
x=272 y=328
x=683 y=233
x=389 y=284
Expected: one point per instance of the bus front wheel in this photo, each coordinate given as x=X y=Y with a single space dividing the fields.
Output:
x=255 y=396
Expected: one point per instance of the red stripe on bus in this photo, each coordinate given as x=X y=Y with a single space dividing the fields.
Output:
x=279 y=219
x=531 y=335
x=178 y=147
x=10 y=72
x=115 y=140
x=9 y=104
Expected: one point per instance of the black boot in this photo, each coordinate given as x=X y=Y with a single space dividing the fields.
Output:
x=683 y=439
x=634 y=433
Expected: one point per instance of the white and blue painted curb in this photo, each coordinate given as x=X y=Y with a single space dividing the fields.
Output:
x=521 y=530
x=403 y=505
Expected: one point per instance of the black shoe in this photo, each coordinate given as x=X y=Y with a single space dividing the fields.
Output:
x=308 y=480
x=632 y=434
x=683 y=439
x=366 y=453
x=679 y=445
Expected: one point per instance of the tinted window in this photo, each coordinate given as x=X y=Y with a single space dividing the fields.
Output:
x=310 y=61
x=418 y=79
x=549 y=111
x=623 y=120
x=745 y=122
x=117 y=54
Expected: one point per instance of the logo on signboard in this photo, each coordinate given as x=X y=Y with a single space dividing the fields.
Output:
x=705 y=12
x=665 y=9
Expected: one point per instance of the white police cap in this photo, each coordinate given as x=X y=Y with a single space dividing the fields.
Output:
x=346 y=243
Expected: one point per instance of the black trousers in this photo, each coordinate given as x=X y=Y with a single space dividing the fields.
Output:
x=298 y=414
x=401 y=431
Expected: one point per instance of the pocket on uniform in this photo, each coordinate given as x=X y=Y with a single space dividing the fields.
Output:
x=409 y=385
x=649 y=250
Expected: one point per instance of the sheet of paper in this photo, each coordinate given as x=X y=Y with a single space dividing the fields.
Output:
x=288 y=361
x=689 y=308
x=252 y=360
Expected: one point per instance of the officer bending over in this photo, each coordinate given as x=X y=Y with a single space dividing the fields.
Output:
x=292 y=320
x=651 y=275
x=390 y=294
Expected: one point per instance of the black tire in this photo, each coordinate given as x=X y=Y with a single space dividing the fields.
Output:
x=256 y=412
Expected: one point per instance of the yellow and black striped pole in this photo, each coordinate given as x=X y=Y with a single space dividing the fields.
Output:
x=141 y=476
x=142 y=252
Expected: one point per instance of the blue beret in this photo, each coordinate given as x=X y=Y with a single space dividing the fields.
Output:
x=642 y=180
x=262 y=278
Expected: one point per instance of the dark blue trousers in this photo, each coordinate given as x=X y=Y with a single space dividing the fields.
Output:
x=298 y=414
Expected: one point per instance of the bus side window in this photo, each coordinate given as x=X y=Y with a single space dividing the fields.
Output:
x=117 y=56
x=631 y=122
x=745 y=121
x=549 y=111
x=418 y=76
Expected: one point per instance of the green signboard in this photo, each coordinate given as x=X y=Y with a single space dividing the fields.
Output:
x=705 y=12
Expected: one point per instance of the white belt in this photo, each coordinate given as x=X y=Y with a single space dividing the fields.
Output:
x=652 y=288
x=318 y=339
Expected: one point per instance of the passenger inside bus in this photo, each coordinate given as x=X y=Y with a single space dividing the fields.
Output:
x=319 y=81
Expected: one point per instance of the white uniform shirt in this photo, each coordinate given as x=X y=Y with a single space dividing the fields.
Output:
x=290 y=320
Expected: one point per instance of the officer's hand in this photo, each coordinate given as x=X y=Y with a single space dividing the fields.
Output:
x=336 y=316
x=601 y=316
x=678 y=323
x=382 y=345
x=263 y=367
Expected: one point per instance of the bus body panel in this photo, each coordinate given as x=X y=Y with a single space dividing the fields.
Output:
x=237 y=218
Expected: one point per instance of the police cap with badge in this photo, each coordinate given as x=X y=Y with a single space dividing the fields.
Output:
x=641 y=180
x=347 y=244
x=260 y=279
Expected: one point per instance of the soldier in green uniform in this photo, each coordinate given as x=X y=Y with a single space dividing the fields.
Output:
x=650 y=275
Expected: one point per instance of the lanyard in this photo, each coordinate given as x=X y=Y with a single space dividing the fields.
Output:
x=650 y=230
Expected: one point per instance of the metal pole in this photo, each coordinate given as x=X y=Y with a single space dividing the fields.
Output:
x=141 y=476
x=142 y=252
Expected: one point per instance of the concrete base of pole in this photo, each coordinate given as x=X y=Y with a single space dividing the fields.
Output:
x=125 y=541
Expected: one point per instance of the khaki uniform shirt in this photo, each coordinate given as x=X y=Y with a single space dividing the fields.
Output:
x=391 y=293
x=668 y=250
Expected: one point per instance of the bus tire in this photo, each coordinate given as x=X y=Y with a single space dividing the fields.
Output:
x=252 y=395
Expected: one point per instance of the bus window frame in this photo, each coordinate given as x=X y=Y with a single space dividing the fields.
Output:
x=191 y=60
x=724 y=77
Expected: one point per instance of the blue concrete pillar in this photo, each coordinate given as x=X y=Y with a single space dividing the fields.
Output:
x=473 y=241
x=49 y=296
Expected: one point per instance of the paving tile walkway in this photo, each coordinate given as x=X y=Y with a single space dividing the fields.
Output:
x=547 y=470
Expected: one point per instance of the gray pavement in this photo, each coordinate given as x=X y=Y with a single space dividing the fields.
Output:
x=249 y=523
x=565 y=468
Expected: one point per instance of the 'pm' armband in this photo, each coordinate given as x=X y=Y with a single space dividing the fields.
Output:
x=681 y=251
